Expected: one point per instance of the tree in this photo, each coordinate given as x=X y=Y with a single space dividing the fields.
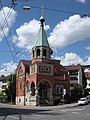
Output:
x=11 y=89
x=76 y=92
x=84 y=79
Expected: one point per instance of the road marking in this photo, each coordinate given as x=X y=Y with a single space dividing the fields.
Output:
x=75 y=112
x=87 y=113
x=34 y=116
x=13 y=117
x=70 y=110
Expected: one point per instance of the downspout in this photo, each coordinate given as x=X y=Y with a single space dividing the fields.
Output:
x=25 y=90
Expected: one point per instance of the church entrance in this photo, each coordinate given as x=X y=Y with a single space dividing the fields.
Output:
x=44 y=92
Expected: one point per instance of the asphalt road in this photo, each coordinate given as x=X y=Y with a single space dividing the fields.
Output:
x=8 y=112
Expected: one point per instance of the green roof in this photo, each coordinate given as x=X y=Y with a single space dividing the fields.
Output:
x=41 y=37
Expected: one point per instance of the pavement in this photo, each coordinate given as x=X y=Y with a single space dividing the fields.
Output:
x=40 y=107
x=60 y=106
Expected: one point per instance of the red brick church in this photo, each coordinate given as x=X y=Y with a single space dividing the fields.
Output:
x=42 y=79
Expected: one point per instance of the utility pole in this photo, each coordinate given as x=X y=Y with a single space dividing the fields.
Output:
x=11 y=82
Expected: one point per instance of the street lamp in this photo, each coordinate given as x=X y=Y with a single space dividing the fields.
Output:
x=26 y=7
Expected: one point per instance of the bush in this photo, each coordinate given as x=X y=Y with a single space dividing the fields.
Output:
x=56 y=102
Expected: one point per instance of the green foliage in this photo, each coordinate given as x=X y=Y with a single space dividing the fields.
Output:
x=84 y=79
x=1 y=94
x=11 y=89
x=86 y=92
x=76 y=92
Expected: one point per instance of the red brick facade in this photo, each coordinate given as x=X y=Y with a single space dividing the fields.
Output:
x=49 y=71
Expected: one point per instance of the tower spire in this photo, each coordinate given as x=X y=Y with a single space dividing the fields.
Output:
x=42 y=16
x=42 y=8
x=41 y=47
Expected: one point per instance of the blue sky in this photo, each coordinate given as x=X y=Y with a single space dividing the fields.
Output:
x=68 y=31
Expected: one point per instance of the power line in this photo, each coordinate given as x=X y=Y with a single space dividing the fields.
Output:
x=8 y=43
x=56 y=10
x=8 y=15
x=8 y=27
x=50 y=9
x=9 y=51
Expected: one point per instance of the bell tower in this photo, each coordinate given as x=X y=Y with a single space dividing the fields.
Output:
x=41 y=47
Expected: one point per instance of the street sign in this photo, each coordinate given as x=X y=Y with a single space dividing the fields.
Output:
x=64 y=91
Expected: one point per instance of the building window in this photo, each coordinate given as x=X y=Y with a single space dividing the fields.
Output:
x=27 y=69
x=57 y=89
x=28 y=86
x=33 y=53
x=20 y=84
x=41 y=68
x=44 y=53
x=73 y=72
x=19 y=100
x=55 y=71
x=71 y=85
x=33 y=89
x=4 y=86
x=20 y=71
x=61 y=89
x=32 y=69
x=47 y=69
x=38 y=52
x=73 y=78
x=4 y=81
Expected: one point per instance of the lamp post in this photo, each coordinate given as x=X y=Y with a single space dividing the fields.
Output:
x=64 y=93
x=11 y=82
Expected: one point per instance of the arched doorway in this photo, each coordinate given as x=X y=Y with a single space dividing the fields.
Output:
x=44 y=92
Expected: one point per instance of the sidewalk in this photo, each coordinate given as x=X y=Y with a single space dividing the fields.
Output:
x=40 y=107
x=59 y=106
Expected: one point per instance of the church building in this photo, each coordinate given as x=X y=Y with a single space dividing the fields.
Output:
x=41 y=80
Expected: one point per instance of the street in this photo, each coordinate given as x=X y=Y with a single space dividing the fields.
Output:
x=8 y=112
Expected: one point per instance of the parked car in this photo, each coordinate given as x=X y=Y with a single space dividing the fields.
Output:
x=83 y=101
x=88 y=97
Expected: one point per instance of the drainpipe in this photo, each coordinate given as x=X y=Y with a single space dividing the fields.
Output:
x=25 y=90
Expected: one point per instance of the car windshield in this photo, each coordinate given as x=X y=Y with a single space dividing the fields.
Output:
x=83 y=99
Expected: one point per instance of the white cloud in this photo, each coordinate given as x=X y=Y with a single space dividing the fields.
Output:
x=66 y=32
x=87 y=62
x=70 y=31
x=8 y=68
x=73 y=58
x=10 y=20
x=82 y=1
x=26 y=34
x=87 y=48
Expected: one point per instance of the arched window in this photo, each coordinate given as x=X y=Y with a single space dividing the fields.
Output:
x=28 y=86
x=55 y=71
x=38 y=52
x=33 y=89
x=57 y=89
x=20 y=71
x=44 y=53
x=20 y=84
x=61 y=89
x=33 y=53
